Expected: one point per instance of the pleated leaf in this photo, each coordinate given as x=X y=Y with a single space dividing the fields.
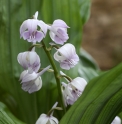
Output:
x=100 y=102
x=6 y=117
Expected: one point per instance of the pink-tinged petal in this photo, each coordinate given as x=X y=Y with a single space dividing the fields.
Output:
x=60 y=23
x=52 y=35
x=39 y=36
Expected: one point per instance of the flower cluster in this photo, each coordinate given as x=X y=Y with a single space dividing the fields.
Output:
x=34 y=30
x=30 y=77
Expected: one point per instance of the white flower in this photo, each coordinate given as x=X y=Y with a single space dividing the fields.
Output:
x=58 y=31
x=29 y=31
x=116 y=120
x=73 y=90
x=47 y=119
x=32 y=82
x=29 y=60
x=66 y=56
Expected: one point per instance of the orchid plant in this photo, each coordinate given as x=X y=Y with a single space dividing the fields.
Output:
x=52 y=67
x=34 y=30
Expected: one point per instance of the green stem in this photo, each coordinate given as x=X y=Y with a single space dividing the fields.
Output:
x=56 y=76
x=67 y=77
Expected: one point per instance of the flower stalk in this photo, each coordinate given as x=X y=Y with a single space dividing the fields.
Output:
x=56 y=76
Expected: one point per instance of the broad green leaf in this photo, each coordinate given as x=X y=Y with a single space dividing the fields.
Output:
x=87 y=60
x=6 y=117
x=100 y=102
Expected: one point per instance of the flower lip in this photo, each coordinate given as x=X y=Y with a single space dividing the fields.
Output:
x=66 y=56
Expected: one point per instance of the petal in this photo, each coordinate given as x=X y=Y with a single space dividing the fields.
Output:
x=58 y=57
x=26 y=35
x=36 y=15
x=54 y=119
x=43 y=26
x=60 y=23
x=68 y=50
x=68 y=91
x=36 y=85
x=43 y=119
x=45 y=69
x=29 y=77
x=51 y=122
x=52 y=35
x=79 y=83
x=23 y=27
x=64 y=66
x=58 y=40
x=39 y=36
x=32 y=25
x=116 y=120
x=23 y=74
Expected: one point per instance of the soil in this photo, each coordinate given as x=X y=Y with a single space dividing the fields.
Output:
x=102 y=34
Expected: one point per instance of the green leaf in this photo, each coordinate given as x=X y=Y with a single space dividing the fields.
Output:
x=100 y=102
x=87 y=60
x=84 y=10
x=6 y=117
